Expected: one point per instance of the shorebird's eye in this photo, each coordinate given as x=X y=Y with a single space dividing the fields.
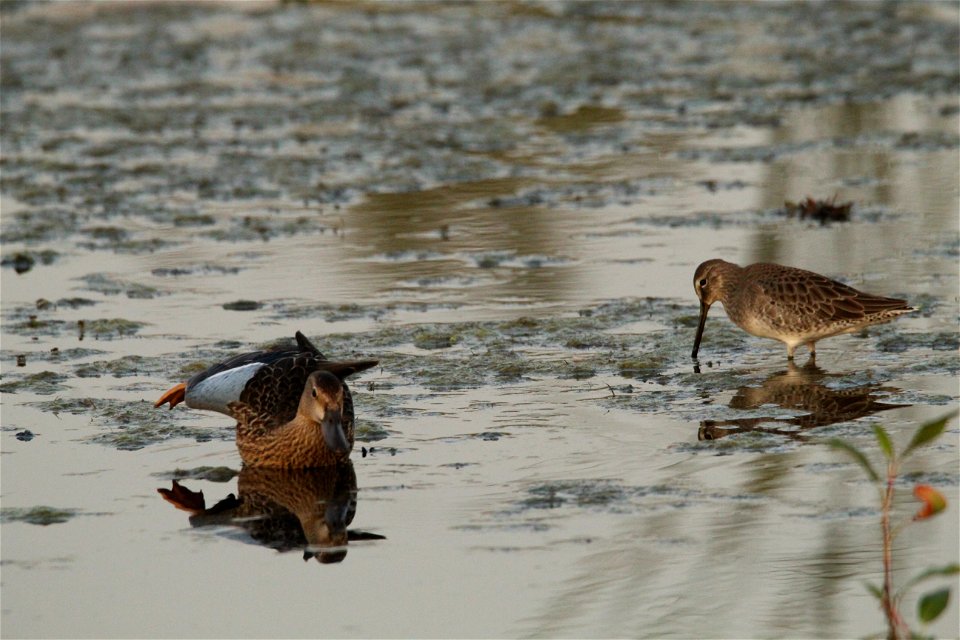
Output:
x=314 y=392
x=703 y=282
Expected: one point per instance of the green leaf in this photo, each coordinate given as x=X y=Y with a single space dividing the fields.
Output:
x=933 y=572
x=857 y=455
x=932 y=605
x=874 y=589
x=884 y=441
x=928 y=432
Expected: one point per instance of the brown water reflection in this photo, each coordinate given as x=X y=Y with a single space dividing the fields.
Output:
x=799 y=389
x=284 y=509
x=464 y=236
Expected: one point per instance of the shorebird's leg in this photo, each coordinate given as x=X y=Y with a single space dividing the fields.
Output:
x=790 y=349
x=813 y=349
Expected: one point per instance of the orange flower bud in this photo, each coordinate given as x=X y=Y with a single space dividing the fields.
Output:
x=933 y=501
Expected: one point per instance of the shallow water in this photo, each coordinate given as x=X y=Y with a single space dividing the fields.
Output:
x=504 y=203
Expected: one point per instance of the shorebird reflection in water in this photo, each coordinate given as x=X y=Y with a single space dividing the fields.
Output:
x=794 y=306
x=285 y=509
x=800 y=389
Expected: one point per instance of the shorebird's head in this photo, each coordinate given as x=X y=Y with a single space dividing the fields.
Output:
x=709 y=281
x=711 y=278
x=322 y=401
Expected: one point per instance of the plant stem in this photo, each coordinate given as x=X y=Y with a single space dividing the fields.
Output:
x=898 y=629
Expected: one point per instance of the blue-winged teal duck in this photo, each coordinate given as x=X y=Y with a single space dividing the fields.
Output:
x=292 y=406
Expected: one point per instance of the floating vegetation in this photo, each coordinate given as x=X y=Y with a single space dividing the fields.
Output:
x=434 y=339
x=107 y=285
x=608 y=495
x=584 y=493
x=74 y=406
x=756 y=441
x=34 y=326
x=579 y=371
x=262 y=228
x=193 y=220
x=43 y=383
x=928 y=140
x=130 y=425
x=23 y=261
x=642 y=368
x=121 y=367
x=211 y=474
x=491 y=260
x=103 y=328
x=591 y=194
x=900 y=342
x=127 y=245
x=38 y=223
x=75 y=303
x=338 y=312
x=242 y=305
x=369 y=431
x=40 y=515
x=134 y=425
x=204 y=269
x=57 y=354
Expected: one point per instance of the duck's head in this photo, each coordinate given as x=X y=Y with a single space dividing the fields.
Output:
x=327 y=536
x=322 y=402
x=709 y=281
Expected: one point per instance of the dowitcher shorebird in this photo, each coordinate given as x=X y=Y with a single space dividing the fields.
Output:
x=292 y=406
x=787 y=304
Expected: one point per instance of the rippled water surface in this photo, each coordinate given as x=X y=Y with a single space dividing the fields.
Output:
x=504 y=203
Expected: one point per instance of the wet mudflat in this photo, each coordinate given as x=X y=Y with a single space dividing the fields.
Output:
x=505 y=204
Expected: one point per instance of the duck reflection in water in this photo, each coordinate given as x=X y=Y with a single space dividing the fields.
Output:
x=285 y=509
x=798 y=388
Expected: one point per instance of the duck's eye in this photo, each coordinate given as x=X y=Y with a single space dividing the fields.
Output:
x=703 y=282
x=313 y=392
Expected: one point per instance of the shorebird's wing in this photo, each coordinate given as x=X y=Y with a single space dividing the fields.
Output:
x=840 y=302
x=808 y=294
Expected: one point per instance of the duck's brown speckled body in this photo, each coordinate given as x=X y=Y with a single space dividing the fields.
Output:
x=293 y=407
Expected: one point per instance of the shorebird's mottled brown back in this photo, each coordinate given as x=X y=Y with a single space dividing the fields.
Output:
x=809 y=297
x=795 y=306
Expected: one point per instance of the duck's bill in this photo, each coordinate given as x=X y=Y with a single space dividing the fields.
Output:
x=703 y=321
x=333 y=435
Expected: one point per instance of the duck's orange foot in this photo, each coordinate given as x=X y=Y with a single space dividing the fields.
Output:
x=183 y=498
x=174 y=396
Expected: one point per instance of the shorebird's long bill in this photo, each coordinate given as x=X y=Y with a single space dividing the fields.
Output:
x=703 y=321
x=333 y=435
